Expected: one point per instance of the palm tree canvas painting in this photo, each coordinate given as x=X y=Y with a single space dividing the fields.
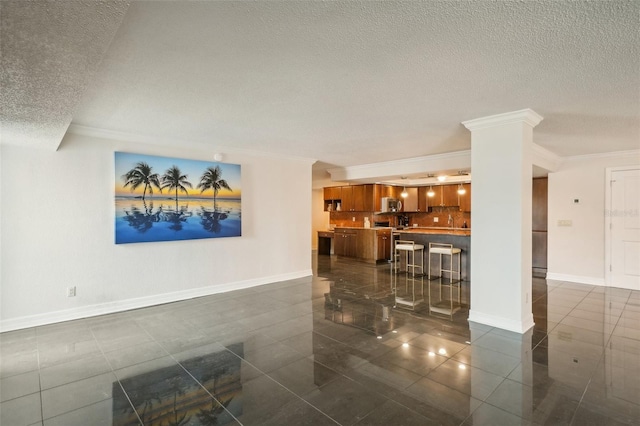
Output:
x=169 y=199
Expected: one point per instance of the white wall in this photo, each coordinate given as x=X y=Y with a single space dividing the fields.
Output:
x=57 y=231
x=576 y=253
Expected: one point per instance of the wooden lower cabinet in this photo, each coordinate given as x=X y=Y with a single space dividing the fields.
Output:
x=369 y=245
x=383 y=243
x=345 y=242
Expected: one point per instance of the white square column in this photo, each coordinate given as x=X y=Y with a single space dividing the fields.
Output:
x=501 y=166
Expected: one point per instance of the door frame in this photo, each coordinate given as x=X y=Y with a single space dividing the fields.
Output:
x=607 y=218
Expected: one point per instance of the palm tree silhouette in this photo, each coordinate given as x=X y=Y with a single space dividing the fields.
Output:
x=174 y=179
x=212 y=178
x=141 y=174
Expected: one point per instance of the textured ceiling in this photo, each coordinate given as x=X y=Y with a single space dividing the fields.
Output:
x=346 y=83
x=48 y=53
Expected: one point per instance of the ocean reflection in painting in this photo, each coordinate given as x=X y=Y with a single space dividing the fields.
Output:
x=154 y=220
x=191 y=200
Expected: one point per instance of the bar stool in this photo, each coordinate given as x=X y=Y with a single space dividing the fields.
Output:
x=409 y=247
x=447 y=250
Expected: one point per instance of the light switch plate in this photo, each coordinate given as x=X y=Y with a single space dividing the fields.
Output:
x=565 y=222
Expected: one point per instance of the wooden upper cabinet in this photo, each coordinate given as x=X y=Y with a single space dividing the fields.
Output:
x=327 y=194
x=332 y=196
x=396 y=191
x=387 y=191
x=378 y=193
x=368 y=198
x=436 y=200
x=347 y=199
x=450 y=195
x=353 y=198
x=357 y=193
x=336 y=193
x=465 y=199
x=445 y=196
x=410 y=204
x=422 y=199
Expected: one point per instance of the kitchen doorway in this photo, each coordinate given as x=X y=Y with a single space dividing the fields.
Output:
x=539 y=226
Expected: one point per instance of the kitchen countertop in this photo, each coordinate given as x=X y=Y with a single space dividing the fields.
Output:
x=413 y=229
x=434 y=230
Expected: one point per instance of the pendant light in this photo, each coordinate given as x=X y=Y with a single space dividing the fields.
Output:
x=431 y=192
x=461 y=190
x=404 y=193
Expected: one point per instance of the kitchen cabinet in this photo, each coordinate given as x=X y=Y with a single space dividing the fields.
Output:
x=465 y=199
x=368 y=198
x=410 y=203
x=417 y=199
x=450 y=195
x=396 y=191
x=332 y=196
x=423 y=204
x=382 y=191
x=445 y=196
x=353 y=198
x=345 y=242
x=436 y=200
x=347 y=199
x=383 y=242
x=365 y=244
x=387 y=191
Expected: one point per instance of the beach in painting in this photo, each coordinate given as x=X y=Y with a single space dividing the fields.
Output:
x=169 y=199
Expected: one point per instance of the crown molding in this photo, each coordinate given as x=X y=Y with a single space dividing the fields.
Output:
x=96 y=132
x=527 y=116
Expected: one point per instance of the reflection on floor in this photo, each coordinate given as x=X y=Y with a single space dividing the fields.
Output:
x=335 y=348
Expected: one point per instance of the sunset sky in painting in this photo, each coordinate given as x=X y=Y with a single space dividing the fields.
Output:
x=192 y=168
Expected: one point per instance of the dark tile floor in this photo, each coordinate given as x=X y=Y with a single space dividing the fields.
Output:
x=331 y=349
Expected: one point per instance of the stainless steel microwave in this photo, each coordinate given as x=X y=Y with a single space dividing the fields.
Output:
x=389 y=204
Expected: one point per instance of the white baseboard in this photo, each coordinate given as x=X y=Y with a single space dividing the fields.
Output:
x=140 y=302
x=575 y=279
x=501 y=322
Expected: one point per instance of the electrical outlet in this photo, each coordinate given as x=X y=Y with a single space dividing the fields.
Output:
x=71 y=291
x=565 y=222
x=435 y=220
x=353 y=219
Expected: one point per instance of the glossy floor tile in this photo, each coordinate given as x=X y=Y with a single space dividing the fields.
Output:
x=353 y=345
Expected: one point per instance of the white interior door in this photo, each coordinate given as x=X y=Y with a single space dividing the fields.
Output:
x=625 y=229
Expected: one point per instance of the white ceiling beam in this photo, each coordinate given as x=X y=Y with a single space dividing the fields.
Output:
x=410 y=166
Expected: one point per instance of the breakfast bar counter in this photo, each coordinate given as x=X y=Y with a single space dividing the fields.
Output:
x=459 y=237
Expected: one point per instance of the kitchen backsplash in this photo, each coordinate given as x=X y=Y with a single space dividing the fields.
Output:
x=345 y=219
